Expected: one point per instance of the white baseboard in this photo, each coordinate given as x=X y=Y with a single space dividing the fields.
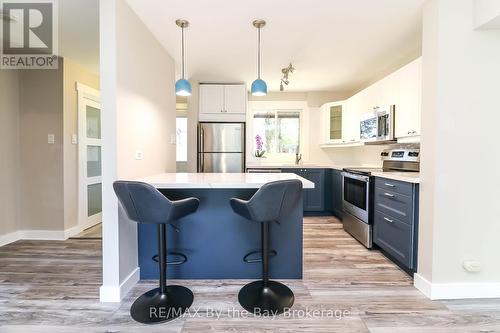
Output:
x=117 y=293
x=9 y=238
x=42 y=234
x=461 y=290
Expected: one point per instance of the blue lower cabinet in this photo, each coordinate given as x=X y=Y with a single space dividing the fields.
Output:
x=395 y=225
x=335 y=196
x=314 y=199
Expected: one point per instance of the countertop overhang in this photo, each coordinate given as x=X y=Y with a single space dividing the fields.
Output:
x=219 y=180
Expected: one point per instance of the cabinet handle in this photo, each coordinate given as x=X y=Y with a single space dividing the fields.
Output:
x=388 y=220
x=389 y=184
x=389 y=195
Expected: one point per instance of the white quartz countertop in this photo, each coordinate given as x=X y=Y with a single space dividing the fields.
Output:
x=410 y=177
x=218 y=180
x=306 y=166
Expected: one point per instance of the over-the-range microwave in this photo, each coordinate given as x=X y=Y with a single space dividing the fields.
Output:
x=378 y=126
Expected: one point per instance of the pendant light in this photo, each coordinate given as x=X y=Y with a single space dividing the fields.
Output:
x=182 y=86
x=259 y=86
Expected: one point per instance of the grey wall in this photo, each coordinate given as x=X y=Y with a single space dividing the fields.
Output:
x=41 y=164
x=9 y=151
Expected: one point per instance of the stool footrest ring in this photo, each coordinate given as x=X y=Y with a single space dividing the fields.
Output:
x=183 y=258
x=272 y=253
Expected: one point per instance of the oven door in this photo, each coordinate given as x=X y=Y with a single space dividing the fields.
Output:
x=355 y=195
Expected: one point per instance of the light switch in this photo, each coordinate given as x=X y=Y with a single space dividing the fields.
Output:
x=51 y=139
x=172 y=139
x=138 y=155
x=74 y=139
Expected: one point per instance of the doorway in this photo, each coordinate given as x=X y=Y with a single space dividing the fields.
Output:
x=89 y=159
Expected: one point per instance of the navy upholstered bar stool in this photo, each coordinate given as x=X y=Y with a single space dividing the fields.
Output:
x=272 y=201
x=145 y=204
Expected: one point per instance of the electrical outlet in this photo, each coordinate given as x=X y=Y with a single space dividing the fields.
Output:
x=472 y=266
x=138 y=155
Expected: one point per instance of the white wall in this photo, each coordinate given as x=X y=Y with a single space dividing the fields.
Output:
x=487 y=14
x=459 y=198
x=138 y=100
x=9 y=152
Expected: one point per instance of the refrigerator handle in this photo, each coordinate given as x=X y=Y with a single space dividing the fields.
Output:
x=202 y=149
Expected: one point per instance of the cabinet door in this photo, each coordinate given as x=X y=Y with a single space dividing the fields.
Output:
x=388 y=90
x=332 y=122
x=211 y=98
x=337 y=193
x=314 y=198
x=335 y=125
x=394 y=237
x=350 y=122
x=410 y=100
x=235 y=99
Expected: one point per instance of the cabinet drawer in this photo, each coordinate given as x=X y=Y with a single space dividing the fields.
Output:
x=395 y=204
x=393 y=236
x=394 y=186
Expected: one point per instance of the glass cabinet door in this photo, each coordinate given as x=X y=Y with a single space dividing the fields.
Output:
x=335 y=122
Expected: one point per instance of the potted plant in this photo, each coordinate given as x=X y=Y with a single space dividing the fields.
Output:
x=259 y=145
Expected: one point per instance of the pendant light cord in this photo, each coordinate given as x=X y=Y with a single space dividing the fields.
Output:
x=182 y=33
x=258 y=56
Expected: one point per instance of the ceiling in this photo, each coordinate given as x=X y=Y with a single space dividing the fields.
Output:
x=335 y=45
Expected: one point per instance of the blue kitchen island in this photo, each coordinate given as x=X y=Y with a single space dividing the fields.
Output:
x=215 y=239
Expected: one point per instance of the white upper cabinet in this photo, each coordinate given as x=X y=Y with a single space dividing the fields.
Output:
x=235 y=99
x=350 y=122
x=402 y=88
x=222 y=102
x=211 y=98
x=409 y=106
x=335 y=119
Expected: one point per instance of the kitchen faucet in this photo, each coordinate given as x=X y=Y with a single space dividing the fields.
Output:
x=298 y=158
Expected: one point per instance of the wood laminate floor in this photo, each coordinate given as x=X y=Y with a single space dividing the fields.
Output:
x=52 y=286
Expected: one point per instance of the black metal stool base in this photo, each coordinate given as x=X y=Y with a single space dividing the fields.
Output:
x=254 y=298
x=154 y=307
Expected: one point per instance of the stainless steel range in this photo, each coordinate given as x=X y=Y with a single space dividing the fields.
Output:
x=357 y=191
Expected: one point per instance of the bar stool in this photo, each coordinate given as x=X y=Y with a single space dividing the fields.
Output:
x=268 y=204
x=145 y=204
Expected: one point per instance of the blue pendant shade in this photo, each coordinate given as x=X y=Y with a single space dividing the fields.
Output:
x=183 y=88
x=259 y=88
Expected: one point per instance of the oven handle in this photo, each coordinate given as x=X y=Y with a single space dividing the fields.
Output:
x=365 y=179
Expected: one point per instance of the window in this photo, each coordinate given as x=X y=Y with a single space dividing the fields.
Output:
x=279 y=130
x=181 y=139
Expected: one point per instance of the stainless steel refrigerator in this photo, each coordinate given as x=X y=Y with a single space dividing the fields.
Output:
x=221 y=147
